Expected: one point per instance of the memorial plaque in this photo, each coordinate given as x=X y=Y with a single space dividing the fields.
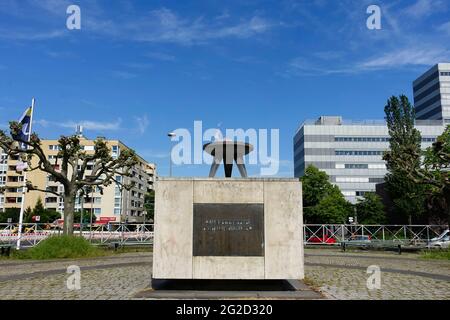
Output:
x=228 y=230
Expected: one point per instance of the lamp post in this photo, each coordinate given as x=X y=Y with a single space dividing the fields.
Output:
x=170 y=135
x=81 y=213
x=91 y=188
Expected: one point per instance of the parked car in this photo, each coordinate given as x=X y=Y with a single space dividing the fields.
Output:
x=358 y=241
x=360 y=238
x=324 y=240
x=443 y=241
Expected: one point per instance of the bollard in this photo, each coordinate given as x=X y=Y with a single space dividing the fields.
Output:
x=399 y=249
x=343 y=246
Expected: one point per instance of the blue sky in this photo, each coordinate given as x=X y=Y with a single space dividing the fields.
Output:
x=139 y=69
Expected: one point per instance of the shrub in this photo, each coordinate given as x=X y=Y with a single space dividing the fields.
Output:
x=60 y=247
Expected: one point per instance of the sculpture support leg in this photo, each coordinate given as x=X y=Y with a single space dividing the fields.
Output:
x=241 y=166
x=215 y=165
x=213 y=170
x=228 y=169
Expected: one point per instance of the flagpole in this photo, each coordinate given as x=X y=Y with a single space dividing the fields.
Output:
x=22 y=205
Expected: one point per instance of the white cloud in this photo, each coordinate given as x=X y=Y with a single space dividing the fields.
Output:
x=407 y=57
x=142 y=123
x=163 y=25
x=123 y=74
x=94 y=125
x=31 y=35
x=87 y=124
x=424 y=8
x=160 y=56
x=445 y=28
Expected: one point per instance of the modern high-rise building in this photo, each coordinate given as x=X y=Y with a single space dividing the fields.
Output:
x=112 y=204
x=432 y=94
x=350 y=152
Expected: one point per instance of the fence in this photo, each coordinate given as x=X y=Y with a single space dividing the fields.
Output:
x=320 y=234
x=314 y=234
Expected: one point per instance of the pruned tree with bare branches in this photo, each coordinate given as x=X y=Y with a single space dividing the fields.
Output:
x=74 y=163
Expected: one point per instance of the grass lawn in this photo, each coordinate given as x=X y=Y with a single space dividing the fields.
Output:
x=69 y=247
x=443 y=254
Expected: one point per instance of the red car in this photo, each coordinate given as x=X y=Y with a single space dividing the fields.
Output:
x=325 y=239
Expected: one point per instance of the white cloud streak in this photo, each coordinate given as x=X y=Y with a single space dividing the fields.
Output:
x=87 y=124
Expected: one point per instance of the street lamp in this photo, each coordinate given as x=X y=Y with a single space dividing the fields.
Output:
x=171 y=135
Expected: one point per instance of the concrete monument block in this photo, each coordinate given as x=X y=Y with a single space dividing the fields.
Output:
x=207 y=228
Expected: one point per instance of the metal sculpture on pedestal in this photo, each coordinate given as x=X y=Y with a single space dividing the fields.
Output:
x=228 y=152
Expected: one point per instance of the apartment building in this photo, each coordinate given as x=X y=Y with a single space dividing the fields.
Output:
x=109 y=204
x=432 y=94
x=351 y=152
x=3 y=169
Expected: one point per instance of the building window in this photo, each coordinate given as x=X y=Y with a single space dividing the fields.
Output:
x=361 y=139
x=445 y=74
x=97 y=211
x=358 y=153
x=356 y=166
x=377 y=166
x=352 y=179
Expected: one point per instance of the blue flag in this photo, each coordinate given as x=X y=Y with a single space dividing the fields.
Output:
x=25 y=133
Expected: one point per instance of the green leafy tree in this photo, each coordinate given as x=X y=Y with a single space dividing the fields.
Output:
x=332 y=208
x=46 y=215
x=370 y=210
x=28 y=215
x=323 y=202
x=86 y=217
x=149 y=204
x=407 y=196
x=12 y=213
x=433 y=172
x=73 y=162
x=316 y=184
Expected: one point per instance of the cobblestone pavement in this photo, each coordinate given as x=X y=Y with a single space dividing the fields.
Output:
x=341 y=275
x=117 y=277
x=338 y=275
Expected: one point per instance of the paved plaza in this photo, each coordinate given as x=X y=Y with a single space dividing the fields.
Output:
x=335 y=274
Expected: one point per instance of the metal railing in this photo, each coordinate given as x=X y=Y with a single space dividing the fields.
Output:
x=320 y=234
x=313 y=234
x=33 y=233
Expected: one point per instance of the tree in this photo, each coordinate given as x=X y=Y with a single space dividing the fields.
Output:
x=323 y=202
x=433 y=172
x=332 y=208
x=73 y=174
x=86 y=217
x=316 y=185
x=149 y=204
x=12 y=213
x=46 y=215
x=407 y=196
x=370 y=209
